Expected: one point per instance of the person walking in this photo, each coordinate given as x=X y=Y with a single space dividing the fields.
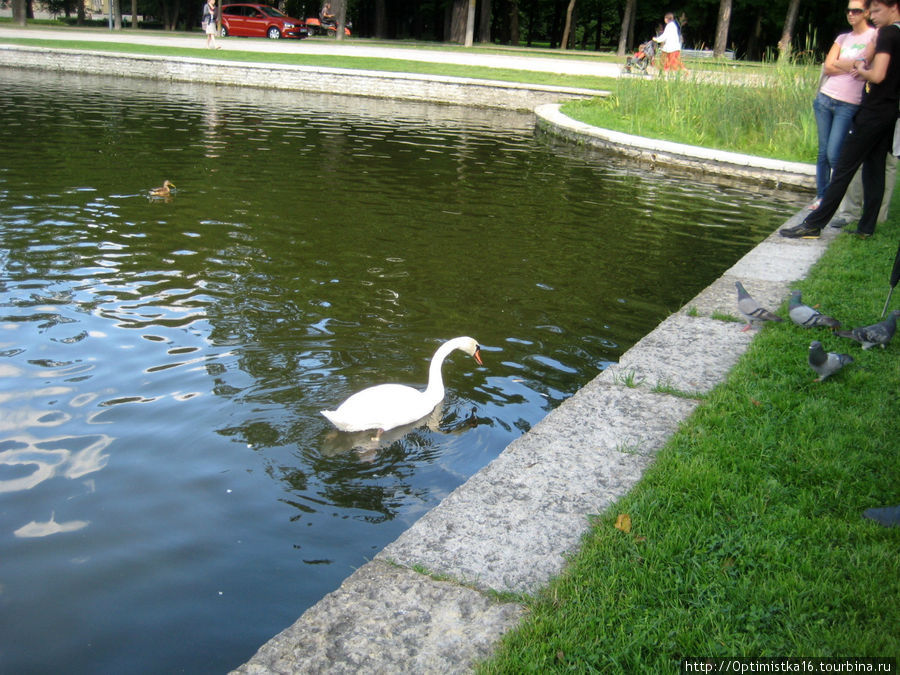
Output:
x=208 y=22
x=871 y=134
x=670 y=44
x=840 y=93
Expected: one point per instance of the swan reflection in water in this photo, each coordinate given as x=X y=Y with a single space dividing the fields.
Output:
x=367 y=446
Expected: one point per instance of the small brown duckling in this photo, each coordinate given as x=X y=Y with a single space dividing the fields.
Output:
x=163 y=191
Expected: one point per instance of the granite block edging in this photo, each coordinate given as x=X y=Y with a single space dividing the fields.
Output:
x=321 y=80
x=697 y=159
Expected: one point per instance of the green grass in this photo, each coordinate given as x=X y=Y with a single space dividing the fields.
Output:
x=774 y=121
x=747 y=534
x=329 y=61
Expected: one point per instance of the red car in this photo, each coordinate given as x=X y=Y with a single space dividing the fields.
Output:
x=248 y=20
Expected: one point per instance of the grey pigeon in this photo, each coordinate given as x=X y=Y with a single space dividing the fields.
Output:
x=750 y=308
x=804 y=315
x=877 y=334
x=826 y=363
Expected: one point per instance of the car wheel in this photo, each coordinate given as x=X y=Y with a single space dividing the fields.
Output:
x=224 y=31
x=274 y=33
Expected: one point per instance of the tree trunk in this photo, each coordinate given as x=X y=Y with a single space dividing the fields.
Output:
x=567 y=30
x=18 y=12
x=134 y=23
x=784 y=44
x=514 y=22
x=80 y=9
x=381 y=30
x=457 y=26
x=484 y=19
x=630 y=6
x=470 y=24
x=722 y=25
x=341 y=18
x=117 y=14
x=755 y=36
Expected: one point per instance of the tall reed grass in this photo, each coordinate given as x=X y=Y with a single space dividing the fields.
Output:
x=768 y=113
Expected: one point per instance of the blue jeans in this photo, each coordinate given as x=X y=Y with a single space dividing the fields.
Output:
x=833 y=120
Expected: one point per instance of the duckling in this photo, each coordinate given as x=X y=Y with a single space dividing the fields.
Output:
x=163 y=191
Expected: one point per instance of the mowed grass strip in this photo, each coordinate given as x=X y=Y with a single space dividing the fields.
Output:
x=747 y=536
x=328 y=61
x=767 y=113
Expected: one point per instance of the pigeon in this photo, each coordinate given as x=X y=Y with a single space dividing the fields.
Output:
x=804 y=315
x=826 y=363
x=750 y=308
x=877 y=334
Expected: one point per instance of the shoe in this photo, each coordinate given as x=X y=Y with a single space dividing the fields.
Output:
x=861 y=235
x=801 y=231
x=838 y=223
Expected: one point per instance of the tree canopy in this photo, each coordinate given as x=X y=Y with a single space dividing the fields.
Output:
x=751 y=28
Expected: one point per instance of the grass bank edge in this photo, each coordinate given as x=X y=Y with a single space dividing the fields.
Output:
x=328 y=61
x=747 y=533
x=774 y=121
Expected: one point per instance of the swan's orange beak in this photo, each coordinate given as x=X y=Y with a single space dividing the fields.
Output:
x=477 y=357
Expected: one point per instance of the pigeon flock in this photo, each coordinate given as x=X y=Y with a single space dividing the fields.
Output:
x=822 y=362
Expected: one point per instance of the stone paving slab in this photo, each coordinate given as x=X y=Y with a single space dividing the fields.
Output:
x=685 y=354
x=510 y=526
x=386 y=619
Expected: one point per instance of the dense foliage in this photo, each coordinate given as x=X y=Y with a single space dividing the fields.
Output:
x=755 y=26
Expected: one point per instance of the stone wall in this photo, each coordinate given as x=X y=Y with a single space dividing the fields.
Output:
x=404 y=86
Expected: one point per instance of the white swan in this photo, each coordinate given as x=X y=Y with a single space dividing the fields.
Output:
x=386 y=406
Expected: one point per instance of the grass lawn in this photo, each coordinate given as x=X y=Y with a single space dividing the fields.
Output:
x=747 y=536
x=775 y=120
x=329 y=61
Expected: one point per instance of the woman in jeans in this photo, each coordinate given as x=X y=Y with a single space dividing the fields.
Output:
x=840 y=94
x=872 y=132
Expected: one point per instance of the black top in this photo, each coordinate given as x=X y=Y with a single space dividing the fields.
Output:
x=886 y=94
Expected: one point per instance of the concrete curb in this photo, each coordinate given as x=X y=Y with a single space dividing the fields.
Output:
x=402 y=86
x=772 y=172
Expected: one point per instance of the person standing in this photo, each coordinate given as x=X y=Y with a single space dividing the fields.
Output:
x=670 y=44
x=840 y=93
x=208 y=22
x=871 y=134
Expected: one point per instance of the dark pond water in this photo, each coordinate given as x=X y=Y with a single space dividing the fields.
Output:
x=170 y=497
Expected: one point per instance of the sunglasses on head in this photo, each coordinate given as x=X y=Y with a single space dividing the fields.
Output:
x=855 y=10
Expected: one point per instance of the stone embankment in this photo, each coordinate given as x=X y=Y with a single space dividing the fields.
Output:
x=379 y=84
x=428 y=603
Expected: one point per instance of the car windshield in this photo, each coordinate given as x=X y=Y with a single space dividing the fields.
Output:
x=271 y=11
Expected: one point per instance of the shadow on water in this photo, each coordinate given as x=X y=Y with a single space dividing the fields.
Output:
x=165 y=475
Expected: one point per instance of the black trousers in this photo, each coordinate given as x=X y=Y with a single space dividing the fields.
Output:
x=867 y=144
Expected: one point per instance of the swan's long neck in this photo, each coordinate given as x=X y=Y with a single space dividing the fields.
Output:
x=435 y=389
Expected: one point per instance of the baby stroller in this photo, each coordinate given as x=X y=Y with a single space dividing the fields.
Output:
x=642 y=59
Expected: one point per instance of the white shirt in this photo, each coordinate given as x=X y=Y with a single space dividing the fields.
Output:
x=670 y=40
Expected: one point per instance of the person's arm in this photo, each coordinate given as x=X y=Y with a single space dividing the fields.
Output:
x=877 y=71
x=834 y=65
x=875 y=68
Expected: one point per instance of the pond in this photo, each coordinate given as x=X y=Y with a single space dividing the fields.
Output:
x=170 y=496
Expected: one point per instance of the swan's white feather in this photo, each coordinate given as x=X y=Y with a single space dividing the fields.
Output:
x=386 y=406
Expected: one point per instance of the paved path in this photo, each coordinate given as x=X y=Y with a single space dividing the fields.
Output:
x=561 y=65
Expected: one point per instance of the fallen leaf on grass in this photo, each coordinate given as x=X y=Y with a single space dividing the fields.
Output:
x=623 y=522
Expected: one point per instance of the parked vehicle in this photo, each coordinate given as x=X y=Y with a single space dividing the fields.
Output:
x=252 y=20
